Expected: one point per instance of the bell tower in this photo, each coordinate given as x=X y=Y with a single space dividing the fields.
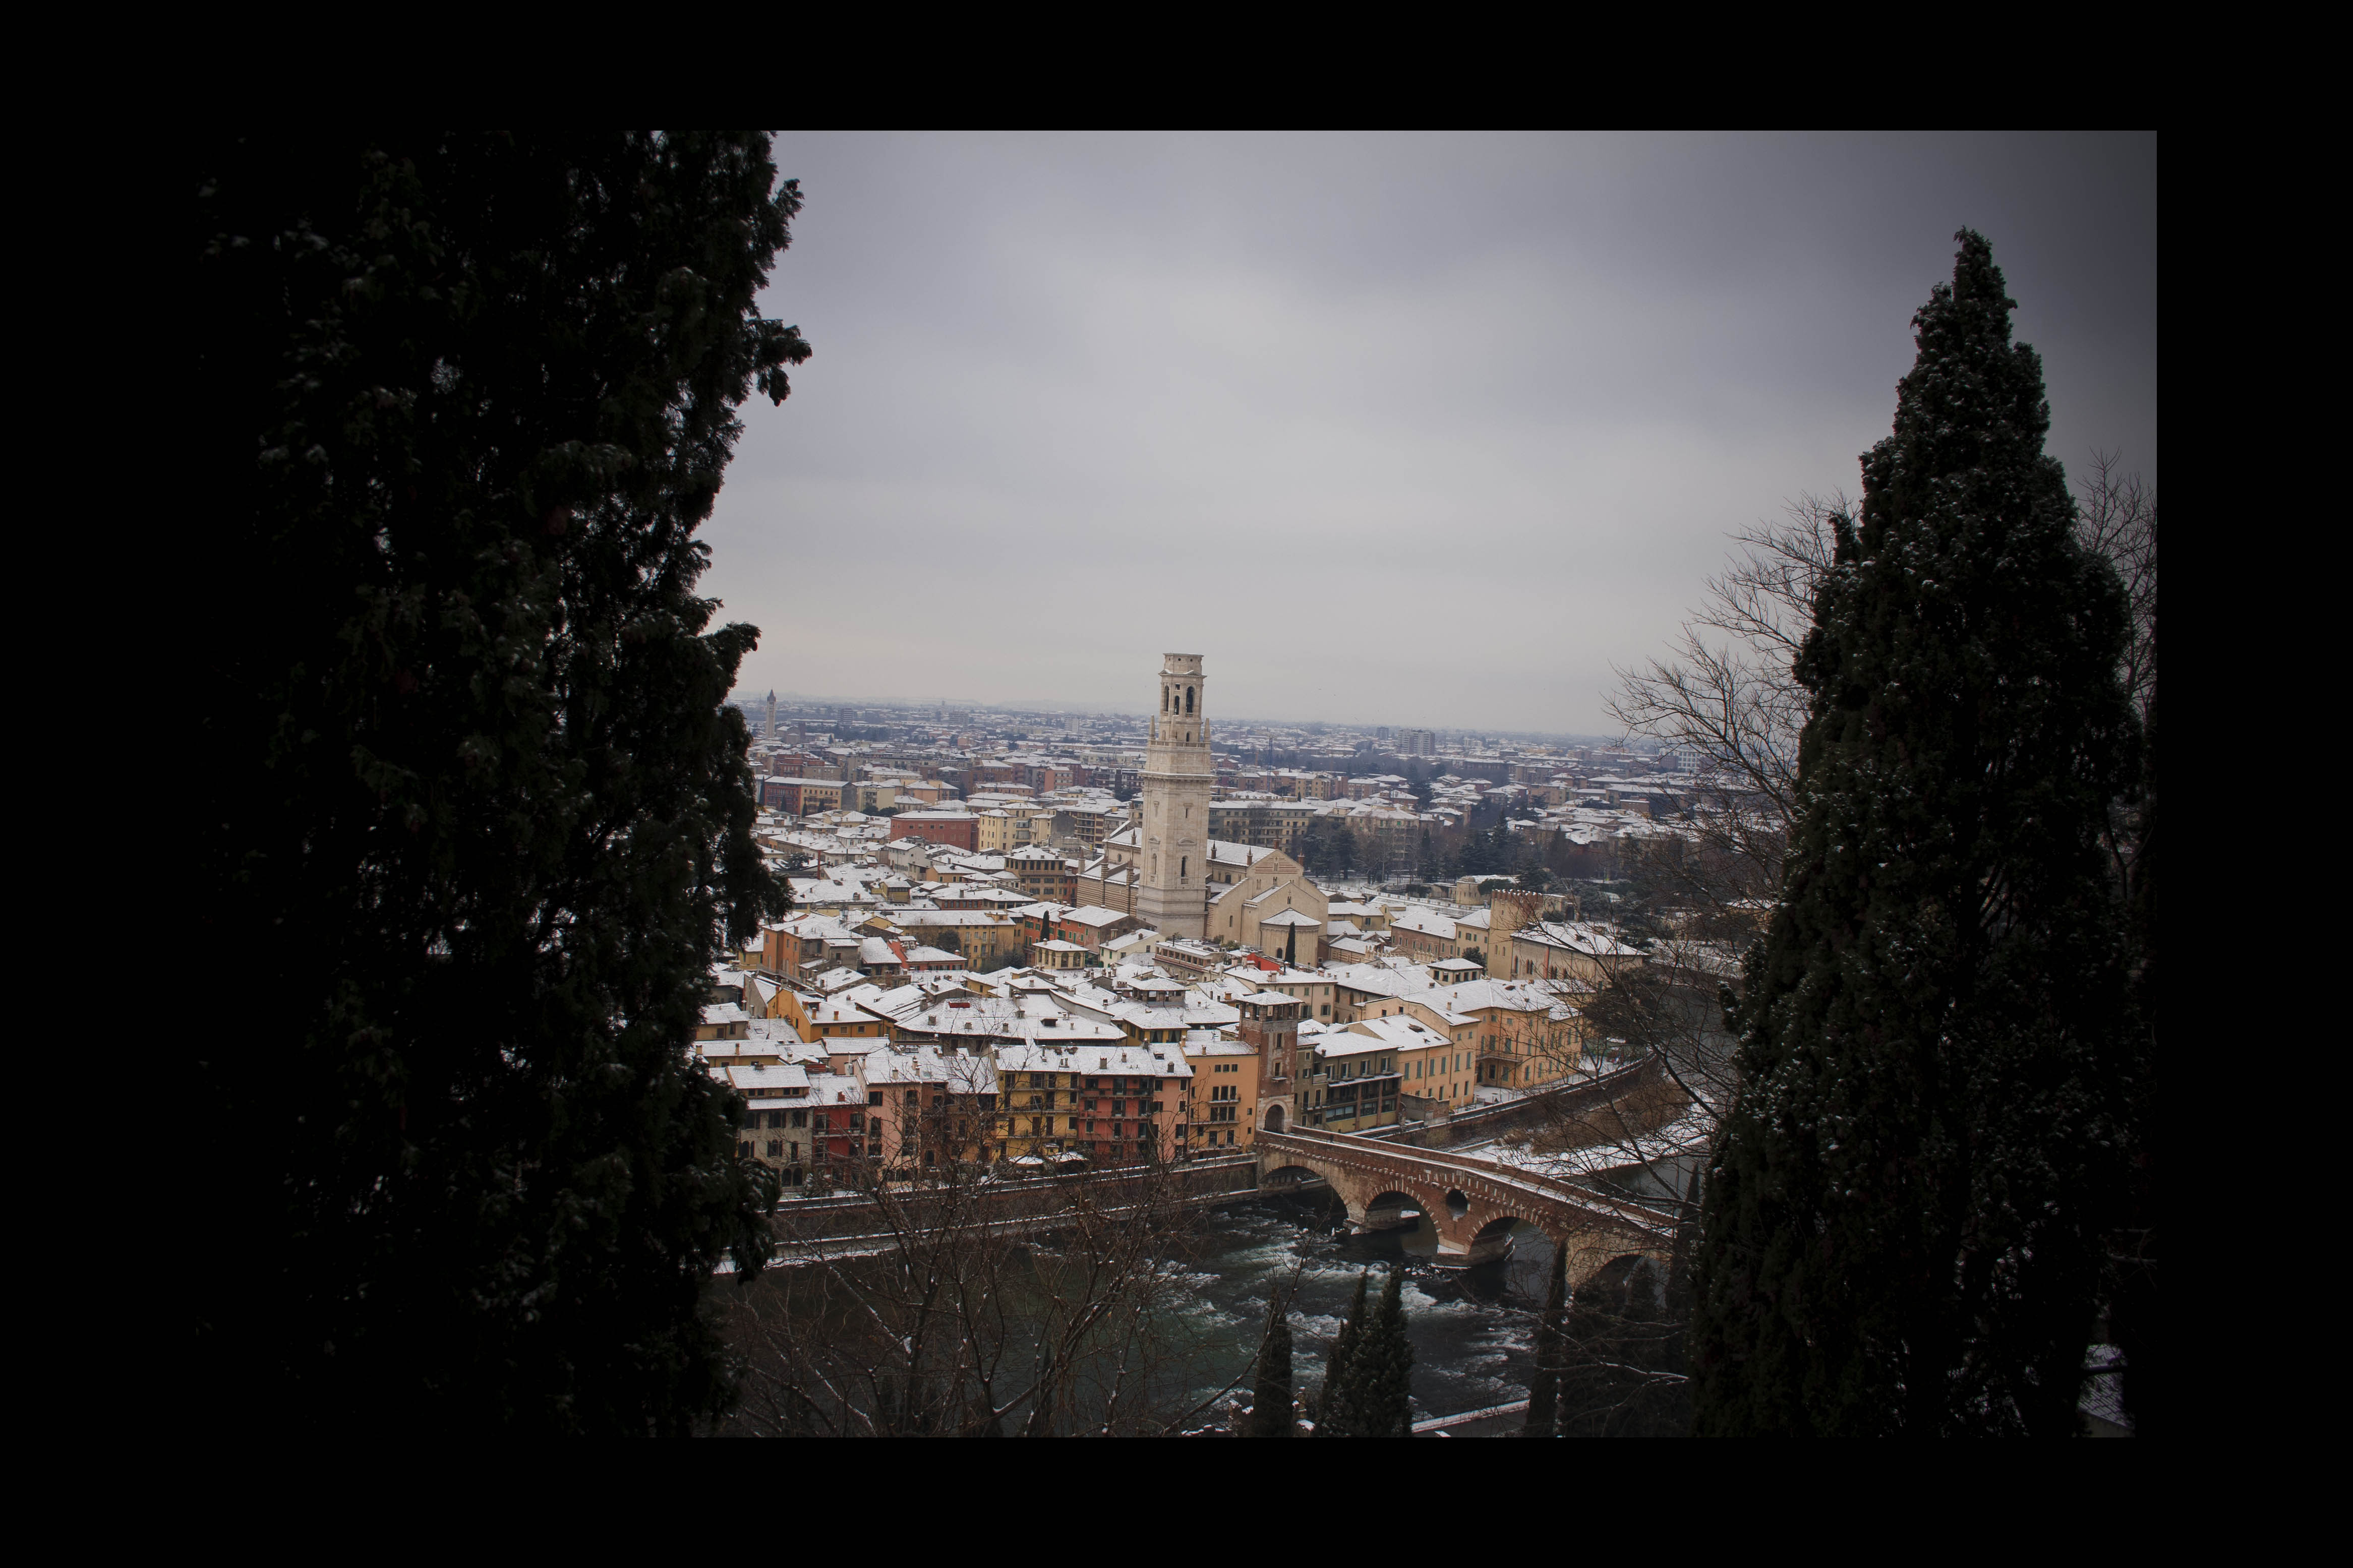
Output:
x=1172 y=839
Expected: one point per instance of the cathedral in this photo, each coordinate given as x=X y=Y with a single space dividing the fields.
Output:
x=1167 y=871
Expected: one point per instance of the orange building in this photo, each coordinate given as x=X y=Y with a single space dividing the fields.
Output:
x=1104 y=1104
x=1221 y=1096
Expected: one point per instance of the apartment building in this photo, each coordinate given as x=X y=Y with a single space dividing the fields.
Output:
x=1221 y=1097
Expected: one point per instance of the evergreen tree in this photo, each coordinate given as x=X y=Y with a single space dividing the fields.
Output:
x=1384 y=1382
x=1618 y=1356
x=1271 y=1415
x=1621 y=1359
x=1543 y=1383
x=1335 y=1407
x=471 y=813
x=2135 y=1307
x=1901 y=1221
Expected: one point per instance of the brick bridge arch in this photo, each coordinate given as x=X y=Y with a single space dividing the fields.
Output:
x=1470 y=1201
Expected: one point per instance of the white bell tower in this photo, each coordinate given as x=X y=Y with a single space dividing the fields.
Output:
x=1172 y=839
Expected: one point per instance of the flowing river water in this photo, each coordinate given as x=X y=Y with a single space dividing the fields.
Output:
x=1473 y=1330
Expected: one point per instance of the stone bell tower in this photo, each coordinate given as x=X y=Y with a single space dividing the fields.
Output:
x=1172 y=838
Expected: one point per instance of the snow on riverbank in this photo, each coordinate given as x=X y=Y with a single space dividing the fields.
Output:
x=1686 y=1134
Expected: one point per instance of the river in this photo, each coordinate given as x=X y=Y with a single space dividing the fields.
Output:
x=1473 y=1330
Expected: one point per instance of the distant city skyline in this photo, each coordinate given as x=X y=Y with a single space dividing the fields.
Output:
x=873 y=709
x=1412 y=429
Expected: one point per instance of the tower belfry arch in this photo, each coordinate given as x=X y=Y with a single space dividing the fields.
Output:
x=1171 y=870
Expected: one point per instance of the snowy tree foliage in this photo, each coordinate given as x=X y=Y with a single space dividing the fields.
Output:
x=1903 y=1219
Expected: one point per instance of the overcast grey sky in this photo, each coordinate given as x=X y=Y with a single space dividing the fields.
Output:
x=1422 y=430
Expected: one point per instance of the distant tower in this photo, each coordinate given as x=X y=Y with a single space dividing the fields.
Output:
x=1270 y=1025
x=1172 y=834
x=772 y=718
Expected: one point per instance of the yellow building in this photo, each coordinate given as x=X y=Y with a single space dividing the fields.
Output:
x=820 y=1018
x=1313 y=989
x=983 y=936
x=1004 y=828
x=723 y=1021
x=1437 y=1056
x=1350 y=1082
x=1107 y=1104
x=1221 y=1103
x=1522 y=1031
x=1564 y=950
x=1037 y=1105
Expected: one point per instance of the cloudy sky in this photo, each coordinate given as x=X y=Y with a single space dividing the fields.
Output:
x=1417 y=430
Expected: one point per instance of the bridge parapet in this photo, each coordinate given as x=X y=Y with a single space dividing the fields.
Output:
x=1374 y=1153
x=1468 y=1198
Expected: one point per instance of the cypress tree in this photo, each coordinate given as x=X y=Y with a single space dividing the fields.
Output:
x=1271 y=1401
x=1384 y=1386
x=472 y=819
x=1335 y=1407
x=1543 y=1383
x=1900 y=1228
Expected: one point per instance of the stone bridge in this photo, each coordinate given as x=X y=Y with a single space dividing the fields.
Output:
x=1471 y=1201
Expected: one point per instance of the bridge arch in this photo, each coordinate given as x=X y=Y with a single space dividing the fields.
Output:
x=1492 y=1242
x=1470 y=1201
x=1389 y=1210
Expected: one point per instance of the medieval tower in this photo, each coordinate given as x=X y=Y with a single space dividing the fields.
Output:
x=1173 y=837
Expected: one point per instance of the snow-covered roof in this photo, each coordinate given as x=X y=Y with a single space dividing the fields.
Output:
x=1395 y=1033
x=760 y=1078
